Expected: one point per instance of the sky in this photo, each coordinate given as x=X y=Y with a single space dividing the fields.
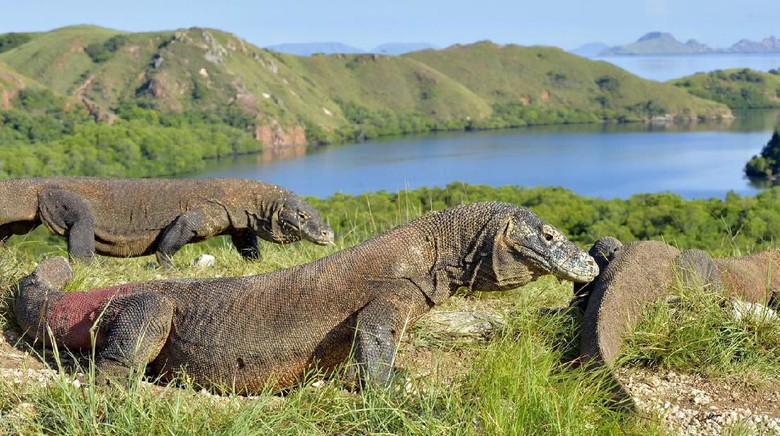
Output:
x=367 y=23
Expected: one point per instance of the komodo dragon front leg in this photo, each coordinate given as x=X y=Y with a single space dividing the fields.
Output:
x=245 y=241
x=136 y=331
x=380 y=324
x=182 y=230
x=375 y=339
x=68 y=214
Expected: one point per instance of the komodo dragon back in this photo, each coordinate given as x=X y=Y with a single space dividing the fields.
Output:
x=245 y=333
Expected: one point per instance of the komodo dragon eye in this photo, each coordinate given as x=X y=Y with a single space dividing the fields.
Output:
x=302 y=216
x=548 y=233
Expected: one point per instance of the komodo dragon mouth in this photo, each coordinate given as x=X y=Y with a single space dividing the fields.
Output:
x=315 y=234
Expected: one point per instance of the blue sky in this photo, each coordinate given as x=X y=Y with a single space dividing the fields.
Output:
x=367 y=23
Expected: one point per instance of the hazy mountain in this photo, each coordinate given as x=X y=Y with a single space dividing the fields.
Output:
x=590 y=50
x=658 y=43
x=766 y=45
x=662 y=43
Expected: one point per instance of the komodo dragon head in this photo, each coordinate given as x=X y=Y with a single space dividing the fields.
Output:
x=293 y=219
x=526 y=248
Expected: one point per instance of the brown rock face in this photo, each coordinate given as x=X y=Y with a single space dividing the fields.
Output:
x=273 y=135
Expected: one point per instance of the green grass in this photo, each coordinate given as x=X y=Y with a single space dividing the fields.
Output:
x=698 y=333
x=519 y=382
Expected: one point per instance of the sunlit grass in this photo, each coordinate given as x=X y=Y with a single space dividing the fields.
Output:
x=697 y=332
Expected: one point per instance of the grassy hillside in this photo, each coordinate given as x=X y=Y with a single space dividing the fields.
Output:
x=553 y=78
x=107 y=102
x=11 y=82
x=204 y=70
x=740 y=88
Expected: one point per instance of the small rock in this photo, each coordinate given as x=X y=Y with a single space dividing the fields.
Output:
x=465 y=324
x=204 y=260
x=753 y=311
x=701 y=398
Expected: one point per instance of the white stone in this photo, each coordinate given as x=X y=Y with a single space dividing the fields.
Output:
x=204 y=260
x=756 y=312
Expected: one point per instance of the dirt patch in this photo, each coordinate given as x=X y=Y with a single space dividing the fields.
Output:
x=693 y=404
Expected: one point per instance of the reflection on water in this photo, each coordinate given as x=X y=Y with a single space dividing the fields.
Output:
x=610 y=160
x=282 y=153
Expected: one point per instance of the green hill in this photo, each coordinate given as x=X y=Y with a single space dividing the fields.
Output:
x=552 y=78
x=206 y=86
x=738 y=88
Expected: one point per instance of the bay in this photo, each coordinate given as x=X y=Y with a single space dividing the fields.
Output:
x=667 y=67
x=607 y=161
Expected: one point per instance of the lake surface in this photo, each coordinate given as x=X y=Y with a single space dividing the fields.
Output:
x=663 y=68
x=608 y=161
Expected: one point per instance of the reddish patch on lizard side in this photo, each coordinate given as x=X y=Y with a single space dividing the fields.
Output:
x=73 y=316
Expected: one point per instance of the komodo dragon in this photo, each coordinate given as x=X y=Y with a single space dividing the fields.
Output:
x=639 y=272
x=647 y=271
x=137 y=217
x=245 y=333
x=644 y=271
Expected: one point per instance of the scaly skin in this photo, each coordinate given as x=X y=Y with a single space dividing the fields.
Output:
x=245 y=333
x=638 y=273
x=695 y=268
x=755 y=278
x=138 y=217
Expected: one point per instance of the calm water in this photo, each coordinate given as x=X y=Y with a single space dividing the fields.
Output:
x=601 y=161
x=663 y=68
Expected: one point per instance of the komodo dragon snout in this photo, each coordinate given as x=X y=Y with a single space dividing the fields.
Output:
x=535 y=248
x=296 y=220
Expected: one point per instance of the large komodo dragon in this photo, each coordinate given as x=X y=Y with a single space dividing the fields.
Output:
x=643 y=271
x=245 y=333
x=137 y=217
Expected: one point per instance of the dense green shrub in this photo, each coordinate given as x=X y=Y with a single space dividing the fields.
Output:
x=9 y=41
x=767 y=164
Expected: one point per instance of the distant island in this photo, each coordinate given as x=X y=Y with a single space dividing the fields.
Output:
x=662 y=43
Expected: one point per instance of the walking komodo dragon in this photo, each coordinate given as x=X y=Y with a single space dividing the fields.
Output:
x=245 y=333
x=137 y=217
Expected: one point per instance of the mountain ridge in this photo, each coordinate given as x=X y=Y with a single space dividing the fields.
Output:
x=287 y=100
x=660 y=43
